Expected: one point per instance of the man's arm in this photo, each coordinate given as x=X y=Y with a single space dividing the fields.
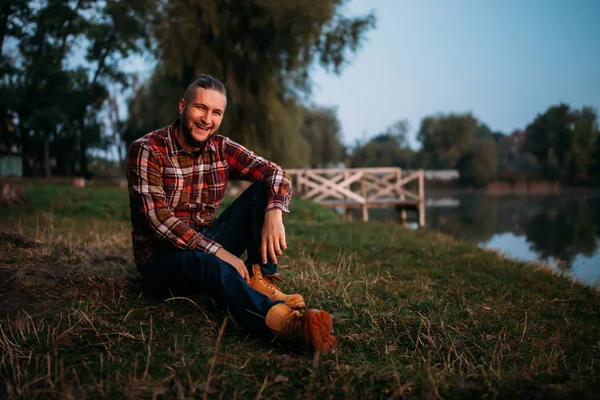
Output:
x=148 y=200
x=249 y=165
x=279 y=192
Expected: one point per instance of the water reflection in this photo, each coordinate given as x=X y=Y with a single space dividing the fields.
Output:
x=560 y=230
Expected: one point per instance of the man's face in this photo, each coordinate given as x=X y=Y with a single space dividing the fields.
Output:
x=201 y=115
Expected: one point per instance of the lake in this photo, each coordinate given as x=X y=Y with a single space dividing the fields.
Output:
x=561 y=230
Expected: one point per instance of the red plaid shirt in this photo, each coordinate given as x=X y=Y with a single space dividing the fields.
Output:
x=172 y=192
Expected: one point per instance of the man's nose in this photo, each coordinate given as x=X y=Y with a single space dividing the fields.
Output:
x=206 y=117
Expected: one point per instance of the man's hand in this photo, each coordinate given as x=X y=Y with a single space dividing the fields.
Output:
x=235 y=261
x=273 y=236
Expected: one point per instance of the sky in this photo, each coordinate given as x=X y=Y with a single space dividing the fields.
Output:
x=503 y=61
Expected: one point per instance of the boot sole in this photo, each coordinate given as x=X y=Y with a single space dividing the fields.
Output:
x=318 y=329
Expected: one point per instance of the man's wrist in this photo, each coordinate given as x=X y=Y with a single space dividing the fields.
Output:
x=274 y=214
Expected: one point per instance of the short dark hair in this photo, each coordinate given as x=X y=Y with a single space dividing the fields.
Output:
x=205 y=82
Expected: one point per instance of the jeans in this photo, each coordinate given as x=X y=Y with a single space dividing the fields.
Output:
x=237 y=229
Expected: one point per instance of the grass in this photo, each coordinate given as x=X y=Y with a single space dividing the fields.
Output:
x=417 y=315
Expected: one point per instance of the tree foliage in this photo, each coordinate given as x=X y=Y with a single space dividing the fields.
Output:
x=61 y=71
x=321 y=130
x=479 y=164
x=263 y=51
x=58 y=58
x=515 y=164
x=459 y=141
x=445 y=138
x=387 y=149
x=563 y=141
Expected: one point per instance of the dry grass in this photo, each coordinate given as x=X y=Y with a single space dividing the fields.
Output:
x=417 y=316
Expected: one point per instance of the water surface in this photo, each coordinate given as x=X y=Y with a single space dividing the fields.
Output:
x=561 y=230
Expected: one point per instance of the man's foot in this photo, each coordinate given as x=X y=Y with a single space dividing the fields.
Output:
x=265 y=285
x=311 y=330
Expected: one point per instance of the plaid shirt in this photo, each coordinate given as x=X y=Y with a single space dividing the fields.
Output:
x=172 y=192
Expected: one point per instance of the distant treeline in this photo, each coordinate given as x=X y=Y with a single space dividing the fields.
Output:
x=62 y=71
x=561 y=145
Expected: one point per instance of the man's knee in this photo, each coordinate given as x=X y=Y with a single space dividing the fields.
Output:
x=255 y=193
x=223 y=271
x=257 y=189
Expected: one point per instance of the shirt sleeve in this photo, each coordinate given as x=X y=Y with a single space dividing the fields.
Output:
x=255 y=168
x=148 y=200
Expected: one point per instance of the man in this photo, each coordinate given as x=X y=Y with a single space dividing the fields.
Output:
x=177 y=177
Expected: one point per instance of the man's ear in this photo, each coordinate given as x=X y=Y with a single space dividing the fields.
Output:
x=181 y=106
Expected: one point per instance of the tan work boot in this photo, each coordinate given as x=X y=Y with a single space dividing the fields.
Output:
x=265 y=285
x=311 y=330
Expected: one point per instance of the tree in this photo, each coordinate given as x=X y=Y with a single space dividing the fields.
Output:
x=563 y=141
x=51 y=100
x=398 y=131
x=321 y=130
x=580 y=158
x=595 y=167
x=482 y=131
x=263 y=51
x=387 y=149
x=446 y=138
x=15 y=17
x=461 y=142
x=514 y=164
x=479 y=164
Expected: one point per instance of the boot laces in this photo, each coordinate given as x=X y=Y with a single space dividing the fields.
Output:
x=268 y=280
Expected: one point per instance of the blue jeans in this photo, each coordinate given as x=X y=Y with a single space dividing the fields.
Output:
x=237 y=229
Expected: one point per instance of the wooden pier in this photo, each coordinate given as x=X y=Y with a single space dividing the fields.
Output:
x=362 y=188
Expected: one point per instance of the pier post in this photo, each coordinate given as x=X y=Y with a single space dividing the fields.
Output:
x=403 y=217
x=365 y=210
x=421 y=199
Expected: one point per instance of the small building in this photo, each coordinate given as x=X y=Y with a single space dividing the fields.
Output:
x=440 y=174
x=11 y=164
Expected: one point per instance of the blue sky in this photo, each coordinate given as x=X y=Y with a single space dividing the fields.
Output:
x=504 y=61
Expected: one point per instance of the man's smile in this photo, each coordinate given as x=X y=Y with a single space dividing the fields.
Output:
x=202 y=127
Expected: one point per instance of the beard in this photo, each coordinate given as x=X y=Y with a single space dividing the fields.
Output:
x=190 y=139
x=187 y=126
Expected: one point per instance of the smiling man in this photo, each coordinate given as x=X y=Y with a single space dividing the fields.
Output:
x=177 y=178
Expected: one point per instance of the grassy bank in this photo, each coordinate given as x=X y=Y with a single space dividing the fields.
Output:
x=418 y=315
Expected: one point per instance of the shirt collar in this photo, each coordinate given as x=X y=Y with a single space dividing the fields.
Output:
x=177 y=148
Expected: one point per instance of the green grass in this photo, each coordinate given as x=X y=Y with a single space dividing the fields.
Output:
x=417 y=315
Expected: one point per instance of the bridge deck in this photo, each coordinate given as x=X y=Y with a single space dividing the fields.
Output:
x=363 y=188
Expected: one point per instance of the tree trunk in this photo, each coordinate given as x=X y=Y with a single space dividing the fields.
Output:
x=83 y=163
x=73 y=156
x=117 y=131
x=244 y=120
x=47 y=166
